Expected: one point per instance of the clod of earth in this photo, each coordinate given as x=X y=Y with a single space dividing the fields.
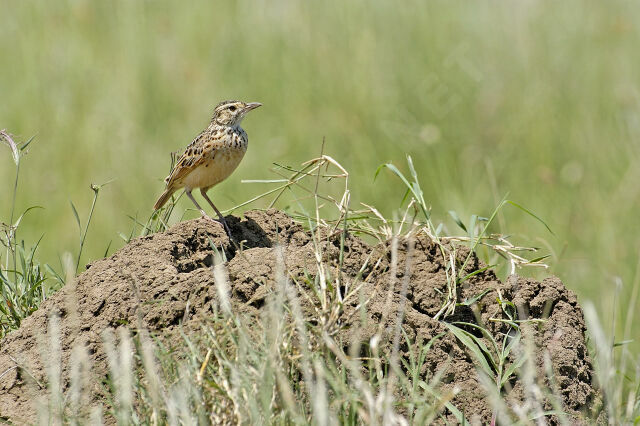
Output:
x=166 y=282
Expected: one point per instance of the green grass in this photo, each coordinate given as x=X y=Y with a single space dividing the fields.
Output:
x=289 y=368
x=237 y=372
x=21 y=276
x=535 y=100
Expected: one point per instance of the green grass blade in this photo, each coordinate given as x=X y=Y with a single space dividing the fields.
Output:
x=24 y=145
x=17 y=223
x=474 y=299
x=457 y=413
x=466 y=339
x=457 y=220
x=511 y=369
x=476 y=272
x=75 y=214
x=530 y=213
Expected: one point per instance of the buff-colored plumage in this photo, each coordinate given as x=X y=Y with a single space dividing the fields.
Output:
x=212 y=156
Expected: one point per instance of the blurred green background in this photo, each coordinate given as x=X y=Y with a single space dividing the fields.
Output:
x=536 y=99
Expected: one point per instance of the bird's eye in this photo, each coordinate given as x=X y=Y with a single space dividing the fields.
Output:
x=232 y=108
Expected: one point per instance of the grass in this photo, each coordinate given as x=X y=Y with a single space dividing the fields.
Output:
x=232 y=372
x=535 y=100
x=21 y=276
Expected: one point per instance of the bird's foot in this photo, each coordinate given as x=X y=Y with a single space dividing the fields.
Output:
x=226 y=227
x=222 y=221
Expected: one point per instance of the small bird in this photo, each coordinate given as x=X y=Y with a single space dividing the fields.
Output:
x=212 y=156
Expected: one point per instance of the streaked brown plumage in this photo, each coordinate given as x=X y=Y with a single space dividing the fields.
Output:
x=212 y=156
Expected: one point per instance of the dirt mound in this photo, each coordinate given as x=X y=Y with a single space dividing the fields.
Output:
x=166 y=280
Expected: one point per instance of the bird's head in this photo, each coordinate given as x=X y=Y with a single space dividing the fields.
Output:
x=231 y=113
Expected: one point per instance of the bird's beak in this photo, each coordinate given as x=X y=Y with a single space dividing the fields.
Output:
x=252 y=105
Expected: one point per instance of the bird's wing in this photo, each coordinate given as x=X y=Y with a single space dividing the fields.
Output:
x=196 y=153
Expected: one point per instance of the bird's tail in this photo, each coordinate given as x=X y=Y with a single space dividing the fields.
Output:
x=164 y=198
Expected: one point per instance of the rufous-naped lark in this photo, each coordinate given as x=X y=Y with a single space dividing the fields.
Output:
x=212 y=156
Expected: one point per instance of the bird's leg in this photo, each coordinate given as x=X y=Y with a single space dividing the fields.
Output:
x=222 y=219
x=202 y=212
